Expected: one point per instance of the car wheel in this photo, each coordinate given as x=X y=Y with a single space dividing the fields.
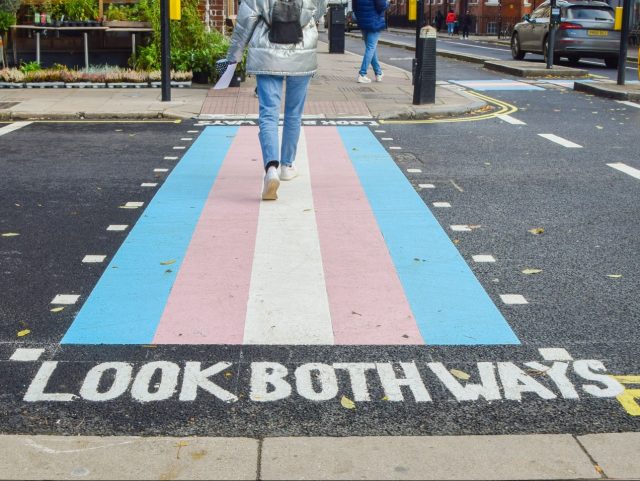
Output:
x=545 y=50
x=611 y=62
x=574 y=59
x=516 y=51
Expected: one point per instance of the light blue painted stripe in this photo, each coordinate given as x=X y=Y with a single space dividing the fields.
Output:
x=127 y=303
x=449 y=303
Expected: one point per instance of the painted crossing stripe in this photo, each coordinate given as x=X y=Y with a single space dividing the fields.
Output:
x=288 y=299
x=448 y=302
x=628 y=103
x=561 y=141
x=13 y=127
x=626 y=169
x=511 y=120
x=128 y=300
x=487 y=85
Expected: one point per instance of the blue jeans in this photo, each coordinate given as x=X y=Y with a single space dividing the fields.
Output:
x=270 y=99
x=370 y=53
x=450 y=27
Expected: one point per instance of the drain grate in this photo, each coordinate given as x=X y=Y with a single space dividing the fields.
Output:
x=8 y=105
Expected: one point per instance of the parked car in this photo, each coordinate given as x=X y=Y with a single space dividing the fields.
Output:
x=350 y=21
x=585 y=30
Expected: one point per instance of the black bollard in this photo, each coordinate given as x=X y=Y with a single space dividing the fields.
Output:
x=424 y=80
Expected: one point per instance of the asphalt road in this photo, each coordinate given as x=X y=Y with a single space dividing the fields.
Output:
x=64 y=183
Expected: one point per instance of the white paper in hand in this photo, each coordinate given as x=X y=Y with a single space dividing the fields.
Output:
x=225 y=78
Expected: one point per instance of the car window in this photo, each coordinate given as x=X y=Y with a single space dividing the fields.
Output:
x=590 y=13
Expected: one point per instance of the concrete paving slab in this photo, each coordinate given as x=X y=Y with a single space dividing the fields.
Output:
x=534 y=69
x=616 y=453
x=93 y=457
x=438 y=457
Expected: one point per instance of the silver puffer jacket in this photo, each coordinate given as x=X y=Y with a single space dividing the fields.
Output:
x=265 y=57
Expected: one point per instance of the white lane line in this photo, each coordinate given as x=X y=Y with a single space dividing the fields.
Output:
x=24 y=354
x=12 y=127
x=179 y=147
x=132 y=205
x=441 y=204
x=161 y=170
x=629 y=103
x=288 y=301
x=193 y=131
x=171 y=158
x=117 y=227
x=93 y=259
x=386 y=138
x=187 y=139
x=65 y=299
x=555 y=354
x=413 y=171
x=626 y=169
x=561 y=141
x=426 y=186
x=510 y=120
x=395 y=148
x=381 y=131
x=460 y=228
x=148 y=184
x=483 y=258
x=513 y=299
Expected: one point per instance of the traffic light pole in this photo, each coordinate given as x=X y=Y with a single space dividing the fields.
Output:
x=624 y=35
x=165 y=51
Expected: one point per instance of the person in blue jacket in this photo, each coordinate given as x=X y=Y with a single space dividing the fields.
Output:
x=371 y=20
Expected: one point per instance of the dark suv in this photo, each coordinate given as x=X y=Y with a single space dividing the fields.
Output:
x=585 y=30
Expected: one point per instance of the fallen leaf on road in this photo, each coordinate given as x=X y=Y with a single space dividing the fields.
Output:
x=599 y=470
x=537 y=231
x=460 y=374
x=347 y=403
x=456 y=241
x=57 y=309
x=24 y=332
x=168 y=263
x=10 y=234
x=531 y=271
x=386 y=398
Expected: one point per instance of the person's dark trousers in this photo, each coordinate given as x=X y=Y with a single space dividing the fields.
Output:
x=465 y=32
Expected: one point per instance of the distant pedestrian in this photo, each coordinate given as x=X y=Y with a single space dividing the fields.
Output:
x=451 y=20
x=439 y=20
x=465 y=24
x=274 y=64
x=371 y=21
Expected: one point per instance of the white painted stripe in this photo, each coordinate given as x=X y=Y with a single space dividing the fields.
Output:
x=187 y=139
x=441 y=204
x=426 y=186
x=24 y=354
x=93 y=259
x=193 y=131
x=414 y=171
x=555 y=354
x=395 y=148
x=626 y=169
x=460 y=228
x=117 y=227
x=148 y=184
x=513 y=299
x=171 y=158
x=561 y=141
x=66 y=299
x=381 y=131
x=510 y=120
x=386 y=138
x=483 y=258
x=179 y=147
x=133 y=205
x=161 y=170
x=12 y=127
x=629 y=103
x=288 y=301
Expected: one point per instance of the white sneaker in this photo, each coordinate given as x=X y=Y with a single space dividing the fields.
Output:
x=288 y=172
x=379 y=77
x=271 y=184
x=363 y=79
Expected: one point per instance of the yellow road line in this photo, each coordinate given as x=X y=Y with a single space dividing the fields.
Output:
x=503 y=109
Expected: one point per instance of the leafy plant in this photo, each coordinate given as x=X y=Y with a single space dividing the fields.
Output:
x=81 y=9
x=25 y=68
x=6 y=20
x=11 y=75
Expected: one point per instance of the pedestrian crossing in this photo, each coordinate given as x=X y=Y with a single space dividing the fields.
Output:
x=348 y=255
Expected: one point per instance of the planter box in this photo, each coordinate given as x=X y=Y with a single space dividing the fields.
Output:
x=174 y=83
x=45 y=85
x=11 y=85
x=85 y=85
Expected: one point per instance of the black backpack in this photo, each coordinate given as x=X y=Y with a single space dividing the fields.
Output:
x=285 y=22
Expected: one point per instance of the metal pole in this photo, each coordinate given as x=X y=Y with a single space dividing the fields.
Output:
x=86 y=51
x=624 y=35
x=38 y=47
x=165 y=51
x=551 y=39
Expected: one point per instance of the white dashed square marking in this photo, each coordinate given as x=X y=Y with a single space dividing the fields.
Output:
x=24 y=354
x=460 y=228
x=93 y=259
x=513 y=299
x=441 y=204
x=117 y=227
x=65 y=299
x=555 y=354
x=414 y=171
x=148 y=184
x=483 y=258
x=426 y=186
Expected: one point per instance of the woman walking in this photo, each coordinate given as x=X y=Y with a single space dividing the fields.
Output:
x=451 y=21
x=275 y=64
x=371 y=21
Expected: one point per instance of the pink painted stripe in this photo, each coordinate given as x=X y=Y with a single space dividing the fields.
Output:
x=208 y=302
x=366 y=299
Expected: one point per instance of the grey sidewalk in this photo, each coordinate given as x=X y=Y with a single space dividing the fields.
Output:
x=560 y=456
